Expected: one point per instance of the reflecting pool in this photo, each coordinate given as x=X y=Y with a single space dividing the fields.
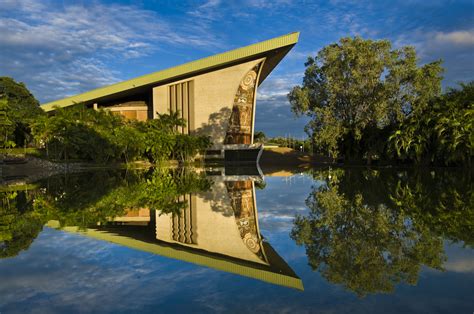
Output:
x=220 y=240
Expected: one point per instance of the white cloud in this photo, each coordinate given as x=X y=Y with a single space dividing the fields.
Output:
x=210 y=4
x=456 y=37
x=455 y=48
x=275 y=89
x=77 y=273
x=206 y=12
x=63 y=50
x=295 y=54
x=461 y=266
x=266 y=4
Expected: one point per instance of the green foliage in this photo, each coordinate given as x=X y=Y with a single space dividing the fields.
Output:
x=73 y=201
x=100 y=136
x=291 y=142
x=7 y=127
x=259 y=137
x=187 y=146
x=163 y=142
x=370 y=230
x=21 y=109
x=442 y=132
x=357 y=89
x=78 y=133
x=18 y=225
x=77 y=203
x=163 y=188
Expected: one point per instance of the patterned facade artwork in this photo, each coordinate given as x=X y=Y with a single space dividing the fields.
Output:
x=240 y=126
x=241 y=197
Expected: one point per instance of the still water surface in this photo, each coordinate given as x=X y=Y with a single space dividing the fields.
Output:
x=327 y=241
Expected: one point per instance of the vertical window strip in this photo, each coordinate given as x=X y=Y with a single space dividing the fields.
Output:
x=181 y=99
x=183 y=225
x=185 y=107
x=191 y=106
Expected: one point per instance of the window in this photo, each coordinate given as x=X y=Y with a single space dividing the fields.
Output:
x=184 y=224
x=181 y=99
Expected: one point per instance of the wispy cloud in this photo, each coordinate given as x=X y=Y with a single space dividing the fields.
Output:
x=461 y=266
x=266 y=4
x=465 y=37
x=455 y=48
x=60 y=48
x=275 y=89
x=206 y=11
x=69 y=49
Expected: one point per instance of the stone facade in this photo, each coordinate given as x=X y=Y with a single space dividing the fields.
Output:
x=220 y=104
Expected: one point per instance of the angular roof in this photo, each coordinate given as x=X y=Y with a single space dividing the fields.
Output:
x=274 y=49
x=278 y=272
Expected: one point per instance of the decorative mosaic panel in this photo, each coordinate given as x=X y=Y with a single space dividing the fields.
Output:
x=241 y=197
x=240 y=126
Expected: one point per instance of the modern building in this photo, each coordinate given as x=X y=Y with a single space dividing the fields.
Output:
x=215 y=95
x=217 y=229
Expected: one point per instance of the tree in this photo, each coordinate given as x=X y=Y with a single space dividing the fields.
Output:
x=79 y=133
x=6 y=125
x=73 y=201
x=259 y=137
x=370 y=230
x=100 y=136
x=441 y=133
x=19 y=225
x=364 y=246
x=22 y=108
x=163 y=142
x=357 y=88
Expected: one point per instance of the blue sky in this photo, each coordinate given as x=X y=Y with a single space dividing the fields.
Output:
x=61 y=48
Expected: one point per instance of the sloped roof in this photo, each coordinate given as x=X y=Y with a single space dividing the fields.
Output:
x=283 y=278
x=261 y=49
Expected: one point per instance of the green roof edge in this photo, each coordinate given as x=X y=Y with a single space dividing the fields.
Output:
x=219 y=264
x=169 y=73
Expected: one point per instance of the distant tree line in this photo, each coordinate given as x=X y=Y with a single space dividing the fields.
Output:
x=368 y=101
x=78 y=133
x=303 y=144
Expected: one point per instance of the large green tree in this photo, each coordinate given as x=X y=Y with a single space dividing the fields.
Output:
x=370 y=230
x=356 y=90
x=22 y=108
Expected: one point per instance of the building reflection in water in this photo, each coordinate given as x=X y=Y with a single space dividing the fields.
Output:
x=217 y=229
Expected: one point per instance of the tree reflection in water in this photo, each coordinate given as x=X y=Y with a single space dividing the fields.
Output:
x=19 y=224
x=89 y=199
x=369 y=230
